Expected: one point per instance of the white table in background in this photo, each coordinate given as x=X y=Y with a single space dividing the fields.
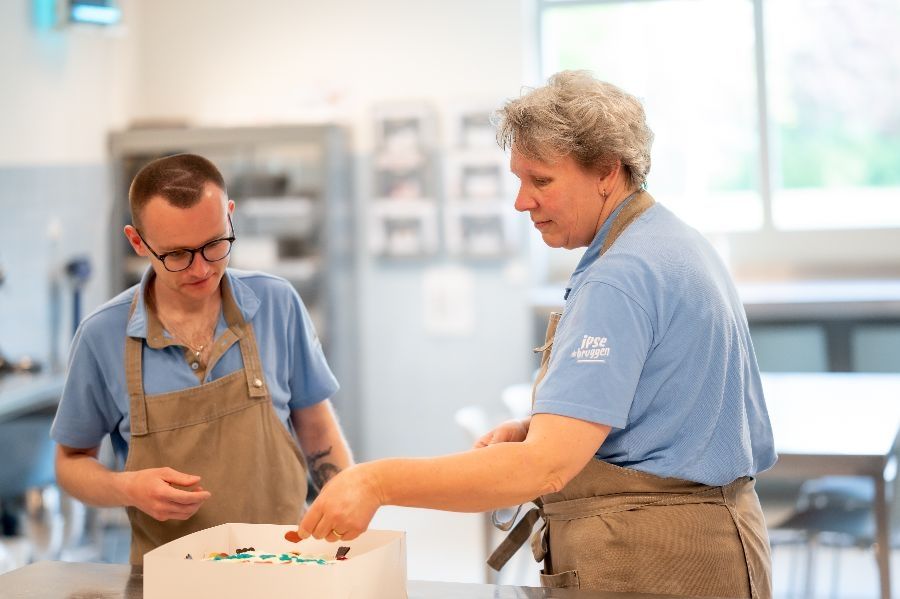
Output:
x=838 y=424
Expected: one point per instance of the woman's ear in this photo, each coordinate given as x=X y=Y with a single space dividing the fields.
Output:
x=605 y=182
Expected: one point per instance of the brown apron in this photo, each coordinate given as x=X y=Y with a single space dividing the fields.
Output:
x=225 y=431
x=619 y=529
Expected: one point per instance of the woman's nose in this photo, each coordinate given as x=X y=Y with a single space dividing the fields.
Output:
x=523 y=201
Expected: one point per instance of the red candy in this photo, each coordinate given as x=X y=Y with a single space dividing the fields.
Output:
x=292 y=536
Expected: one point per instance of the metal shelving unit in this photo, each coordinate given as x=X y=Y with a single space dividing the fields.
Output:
x=293 y=218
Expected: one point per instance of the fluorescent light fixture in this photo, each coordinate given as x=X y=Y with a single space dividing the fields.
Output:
x=95 y=13
x=44 y=14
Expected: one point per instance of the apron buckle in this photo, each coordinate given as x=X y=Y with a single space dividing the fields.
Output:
x=504 y=525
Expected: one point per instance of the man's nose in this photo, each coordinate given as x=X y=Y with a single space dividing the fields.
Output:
x=200 y=266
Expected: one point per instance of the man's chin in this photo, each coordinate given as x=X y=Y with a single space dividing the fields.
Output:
x=201 y=288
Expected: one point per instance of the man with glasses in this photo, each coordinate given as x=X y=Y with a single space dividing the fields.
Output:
x=200 y=374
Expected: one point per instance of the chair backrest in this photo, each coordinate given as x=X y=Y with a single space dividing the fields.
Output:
x=27 y=455
x=842 y=492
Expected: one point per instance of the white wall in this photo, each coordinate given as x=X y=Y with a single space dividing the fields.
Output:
x=215 y=62
x=64 y=88
x=229 y=61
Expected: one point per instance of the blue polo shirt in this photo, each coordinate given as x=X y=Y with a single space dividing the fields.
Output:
x=654 y=342
x=95 y=399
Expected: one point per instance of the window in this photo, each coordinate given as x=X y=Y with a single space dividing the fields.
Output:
x=833 y=68
x=779 y=115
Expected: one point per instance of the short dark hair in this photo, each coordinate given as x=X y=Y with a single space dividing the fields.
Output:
x=178 y=179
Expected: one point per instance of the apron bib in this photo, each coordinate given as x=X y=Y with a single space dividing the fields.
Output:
x=225 y=431
x=619 y=529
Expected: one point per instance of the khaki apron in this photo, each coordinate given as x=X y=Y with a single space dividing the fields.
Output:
x=619 y=529
x=225 y=431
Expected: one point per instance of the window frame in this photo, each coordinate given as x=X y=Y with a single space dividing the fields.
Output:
x=769 y=253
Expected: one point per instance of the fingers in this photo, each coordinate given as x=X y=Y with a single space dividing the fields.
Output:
x=498 y=435
x=152 y=492
x=187 y=497
x=178 y=512
x=310 y=521
x=350 y=535
x=178 y=496
x=344 y=508
x=323 y=531
x=510 y=431
x=167 y=510
x=174 y=477
x=315 y=524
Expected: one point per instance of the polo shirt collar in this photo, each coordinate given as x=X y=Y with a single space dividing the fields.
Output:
x=143 y=324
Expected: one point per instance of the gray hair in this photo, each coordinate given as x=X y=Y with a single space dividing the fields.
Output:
x=577 y=115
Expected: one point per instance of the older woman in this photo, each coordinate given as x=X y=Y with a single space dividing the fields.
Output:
x=648 y=420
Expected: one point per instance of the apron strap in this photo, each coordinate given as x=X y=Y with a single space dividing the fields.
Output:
x=588 y=507
x=134 y=348
x=629 y=213
x=133 y=374
x=253 y=372
x=515 y=539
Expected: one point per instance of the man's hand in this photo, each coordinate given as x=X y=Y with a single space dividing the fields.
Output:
x=344 y=507
x=154 y=492
x=511 y=431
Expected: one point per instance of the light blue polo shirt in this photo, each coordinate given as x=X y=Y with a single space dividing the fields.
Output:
x=95 y=398
x=654 y=342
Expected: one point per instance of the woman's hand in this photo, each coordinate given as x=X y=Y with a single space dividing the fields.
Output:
x=511 y=431
x=344 y=507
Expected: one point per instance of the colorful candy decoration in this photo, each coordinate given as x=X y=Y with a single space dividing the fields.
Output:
x=292 y=536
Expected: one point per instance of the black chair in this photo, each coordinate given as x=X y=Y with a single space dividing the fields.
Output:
x=832 y=511
x=28 y=497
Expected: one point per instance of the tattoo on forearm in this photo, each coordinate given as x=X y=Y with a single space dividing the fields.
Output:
x=320 y=471
x=323 y=473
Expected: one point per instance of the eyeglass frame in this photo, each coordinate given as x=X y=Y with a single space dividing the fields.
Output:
x=162 y=257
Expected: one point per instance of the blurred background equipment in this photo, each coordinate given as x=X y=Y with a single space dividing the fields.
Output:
x=23 y=364
x=78 y=271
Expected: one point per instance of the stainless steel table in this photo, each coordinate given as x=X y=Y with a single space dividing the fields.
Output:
x=64 y=580
x=842 y=424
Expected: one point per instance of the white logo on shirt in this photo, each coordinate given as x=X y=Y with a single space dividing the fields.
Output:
x=593 y=349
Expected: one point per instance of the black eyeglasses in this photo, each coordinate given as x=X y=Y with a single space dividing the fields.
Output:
x=178 y=260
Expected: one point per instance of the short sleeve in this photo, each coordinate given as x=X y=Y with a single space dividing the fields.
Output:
x=311 y=379
x=87 y=411
x=599 y=351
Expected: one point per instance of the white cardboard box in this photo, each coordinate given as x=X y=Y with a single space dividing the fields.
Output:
x=375 y=567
